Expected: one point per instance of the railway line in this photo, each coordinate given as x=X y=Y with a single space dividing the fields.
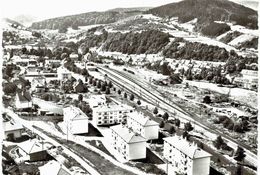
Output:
x=153 y=96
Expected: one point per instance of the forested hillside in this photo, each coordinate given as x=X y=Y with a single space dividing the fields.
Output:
x=208 y=11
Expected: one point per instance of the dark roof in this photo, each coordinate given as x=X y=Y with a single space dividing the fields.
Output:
x=24 y=96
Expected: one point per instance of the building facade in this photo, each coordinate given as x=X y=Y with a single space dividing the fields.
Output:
x=23 y=100
x=110 y=114
x=247 y=80
x=185 y=158
x=76 y=122
x=128 y=144
x=63 y=74
x=143 y=125
x=12 y=130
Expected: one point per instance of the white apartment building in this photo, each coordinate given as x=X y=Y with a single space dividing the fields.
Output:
x=110 y=114
x=128 y=144
x=75 y=121
x=185 y=158
x=248 y=79
x=63 y=74
x=143 y=125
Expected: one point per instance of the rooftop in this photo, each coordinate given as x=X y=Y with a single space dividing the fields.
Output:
x=108 y=107
x=75 y=113
x=24 y=96
x=143 y=120
x=12 y=126
x=34 y=146
x=127 y=135
x=55 y=167
x=187 y=148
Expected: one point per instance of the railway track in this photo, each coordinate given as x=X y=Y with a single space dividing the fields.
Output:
x=154 y=96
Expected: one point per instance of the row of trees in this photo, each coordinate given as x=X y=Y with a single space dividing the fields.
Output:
x=182 y=49
x=228 y=123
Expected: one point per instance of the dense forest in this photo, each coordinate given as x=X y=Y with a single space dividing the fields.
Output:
x=182 y=49
x=84 y=19
x=208 y=11
x=148 y=42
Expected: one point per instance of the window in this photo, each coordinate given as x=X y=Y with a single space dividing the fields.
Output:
x=99 y=122
x=120 y=112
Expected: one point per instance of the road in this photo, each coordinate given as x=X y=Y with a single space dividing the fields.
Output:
x=29 y=125
x=151 y=95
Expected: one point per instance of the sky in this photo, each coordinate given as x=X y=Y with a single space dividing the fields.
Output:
x=44 y=9
x=52 y=8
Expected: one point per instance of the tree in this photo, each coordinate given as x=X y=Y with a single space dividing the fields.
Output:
x=177 y=122
x=119 y=91
x=94 y=82
x=165 y=116
x=84 y=72
x=63 y=29
x=99 y=85
x=207 y=99
x=172 y=130
x=125 y=95
x=186 y=135
x=139 y=102
x=165 y=69
x=132 y=97
x=110 y=84
x=161 y=125
x=238 y=170
x=155 y=111
x=218 y=142
x=103 y=87
x=107 y=90
x=9 y=88
x=188 y=126
x=200 y=145
x=80 y=97
x=238 y=128
x=240 y=154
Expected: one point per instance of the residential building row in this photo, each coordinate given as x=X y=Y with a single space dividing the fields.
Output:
x=184 y=157
x=110 y=114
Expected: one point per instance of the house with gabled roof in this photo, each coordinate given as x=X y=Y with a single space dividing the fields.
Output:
x=38 y=84
x=54 y=168
x=129 y=145
x=75 y=121
x=23 y=100
x=143 y=125
x=12 y=130
x=31 y=150
x=185 y=157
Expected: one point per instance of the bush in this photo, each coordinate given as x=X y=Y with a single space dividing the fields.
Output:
x=155 y=111
x=132 y=97
x=139 y=102
x=161 y=125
